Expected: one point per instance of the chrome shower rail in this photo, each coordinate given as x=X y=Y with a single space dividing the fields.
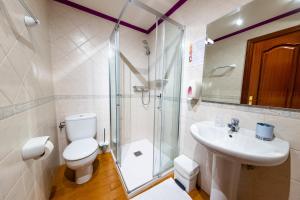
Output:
x=156 y=13
x=143 y=6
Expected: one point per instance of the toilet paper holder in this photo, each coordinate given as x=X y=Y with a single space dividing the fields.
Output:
x=37 y=148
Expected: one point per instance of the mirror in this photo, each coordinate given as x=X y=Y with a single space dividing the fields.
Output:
x=252 y=56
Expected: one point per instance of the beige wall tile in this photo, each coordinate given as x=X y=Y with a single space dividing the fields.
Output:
x=294 y=190
x=78 y=37
x=22 y=95
x=19 y=60
x=295 y=163
x=3 y=100
x=25 y=75
x=9 y=80
x=17 y=192
x=287 y=129
x=2 y=53
x=11 y=170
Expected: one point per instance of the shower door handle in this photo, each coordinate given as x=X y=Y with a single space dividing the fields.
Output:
x=160 y=101
x=118 y=100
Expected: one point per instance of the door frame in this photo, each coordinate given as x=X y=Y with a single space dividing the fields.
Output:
x=249 y=57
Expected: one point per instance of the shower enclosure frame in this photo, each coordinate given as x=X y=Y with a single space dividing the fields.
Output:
x=115 y=36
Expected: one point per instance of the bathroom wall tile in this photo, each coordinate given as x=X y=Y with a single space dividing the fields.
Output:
x=88 y=48
x=2 y=54
x=100 y=56
x=16 y=13
x=22 y=64
x=31 y=83
x=28 y=177
x=275 y=180
x=32 y=194
x=64 y=45
x=3 y=100
x=6 y=36
x=56 y=55
x=24 y=67
x=22 y=95
x=1 y=196
x=9 y=80
x=14 y=130
x=11 y=171
x=80 y=77
x=59 y=26
x=89 y=30
x=17 y=192
x=287 y=129
x=100 y=41
x=63 y=66
x=295 y=163
x=246 y=184
x=294 y=190
x=78 y=37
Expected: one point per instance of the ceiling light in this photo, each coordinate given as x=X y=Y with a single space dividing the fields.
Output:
x=239 y=22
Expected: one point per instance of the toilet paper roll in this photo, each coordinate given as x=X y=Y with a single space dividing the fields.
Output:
x=193 y=91
x=48 y=150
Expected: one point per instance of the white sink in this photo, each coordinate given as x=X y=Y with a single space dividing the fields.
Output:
x=232 y=150
x=243 y=145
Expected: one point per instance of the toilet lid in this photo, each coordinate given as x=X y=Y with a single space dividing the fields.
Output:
x=80 y=149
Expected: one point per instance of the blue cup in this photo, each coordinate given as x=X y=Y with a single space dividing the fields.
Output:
x=264 y=131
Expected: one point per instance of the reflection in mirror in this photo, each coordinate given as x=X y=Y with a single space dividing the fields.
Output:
x=255 y=56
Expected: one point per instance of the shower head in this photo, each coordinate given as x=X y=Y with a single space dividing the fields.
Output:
x=146 y=46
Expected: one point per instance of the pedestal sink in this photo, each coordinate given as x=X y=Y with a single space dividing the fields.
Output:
x=231 y=150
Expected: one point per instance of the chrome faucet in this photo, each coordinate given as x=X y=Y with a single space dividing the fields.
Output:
x=234 y=125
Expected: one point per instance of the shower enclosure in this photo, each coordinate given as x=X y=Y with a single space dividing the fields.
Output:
x=145 y=86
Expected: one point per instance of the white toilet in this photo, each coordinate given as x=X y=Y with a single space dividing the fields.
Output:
x=83 y=149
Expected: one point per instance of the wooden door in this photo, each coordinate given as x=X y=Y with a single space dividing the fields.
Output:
x=272 y=70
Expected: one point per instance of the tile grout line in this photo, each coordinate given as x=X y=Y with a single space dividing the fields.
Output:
x=19 y=179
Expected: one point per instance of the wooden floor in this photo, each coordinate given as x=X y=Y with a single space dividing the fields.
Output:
x=105 y=184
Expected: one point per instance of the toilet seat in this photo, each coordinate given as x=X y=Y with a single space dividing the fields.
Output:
x=80 y=149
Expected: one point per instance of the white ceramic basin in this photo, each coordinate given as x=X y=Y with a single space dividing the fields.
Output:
x=243 y=145
x=232 y=150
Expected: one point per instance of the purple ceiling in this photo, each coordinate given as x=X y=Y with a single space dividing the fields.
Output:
x=124 y=23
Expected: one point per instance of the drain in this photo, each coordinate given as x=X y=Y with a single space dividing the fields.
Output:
x=137 y=153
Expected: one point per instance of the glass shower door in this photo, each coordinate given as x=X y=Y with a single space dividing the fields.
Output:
x=114 y=76
x=167 y=104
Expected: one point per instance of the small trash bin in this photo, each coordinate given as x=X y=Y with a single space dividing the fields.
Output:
x=186 y=171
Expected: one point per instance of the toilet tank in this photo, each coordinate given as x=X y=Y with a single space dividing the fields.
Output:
x=81 y=126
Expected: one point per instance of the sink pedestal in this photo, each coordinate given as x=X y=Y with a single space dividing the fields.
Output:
x=225 y=178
